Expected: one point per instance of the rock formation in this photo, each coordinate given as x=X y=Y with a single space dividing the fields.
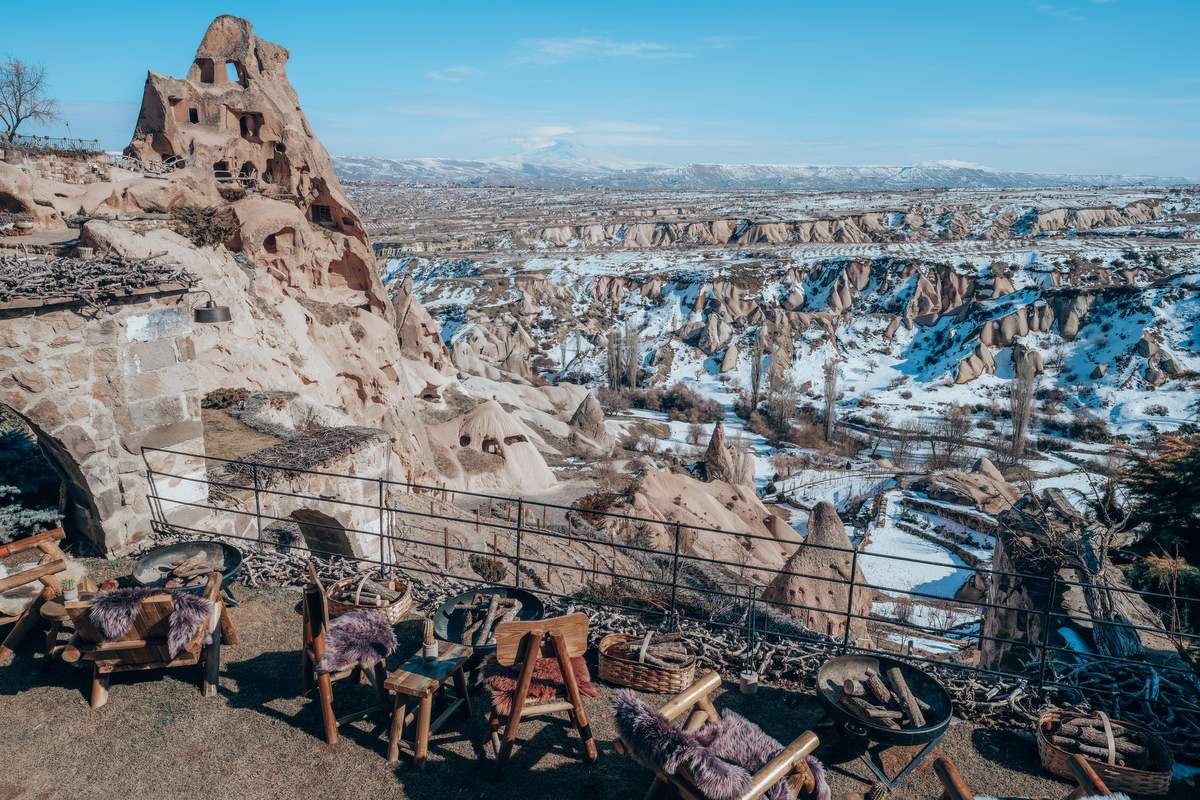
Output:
x=727 y=462
x=588 y=433
x=983 y=488
x=799 y=584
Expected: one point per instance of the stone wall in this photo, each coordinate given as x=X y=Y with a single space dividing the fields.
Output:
x=332 y=509
x=97 y=388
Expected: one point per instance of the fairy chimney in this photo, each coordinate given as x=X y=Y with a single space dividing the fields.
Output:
x=798 y=590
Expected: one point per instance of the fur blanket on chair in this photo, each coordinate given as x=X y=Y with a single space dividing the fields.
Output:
x=722 y=756
x=114 y=613
x=547 y=682
x=359 y=637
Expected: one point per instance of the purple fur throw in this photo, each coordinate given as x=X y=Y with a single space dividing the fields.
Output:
x=722 y=756
x=362 y=637
x=114 y=614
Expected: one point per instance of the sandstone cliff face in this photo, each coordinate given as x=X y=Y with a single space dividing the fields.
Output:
x=310 y=314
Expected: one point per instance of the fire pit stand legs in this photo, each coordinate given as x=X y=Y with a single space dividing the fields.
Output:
x=872 y=763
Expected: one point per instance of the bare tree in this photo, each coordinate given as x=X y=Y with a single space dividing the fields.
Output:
x=633 y=356
x=23 y=95
x=782 y=392
x=614 y=359
x=830 y=372
x=947 y=436
x=756 y=365
x=1020 y=404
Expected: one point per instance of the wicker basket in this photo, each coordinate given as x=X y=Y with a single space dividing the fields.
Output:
x=621 y=671
x=394 y=612
x=1117 y=778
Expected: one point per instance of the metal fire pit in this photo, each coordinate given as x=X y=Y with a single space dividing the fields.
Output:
x=872 y=736
x=224 y=558
x=448 y=624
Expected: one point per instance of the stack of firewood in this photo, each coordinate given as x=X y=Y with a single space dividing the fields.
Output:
x=483 y=613
x=1086 y=736
x=662 y=650
x=883 y=700
x=185 y=573
x=365 y=592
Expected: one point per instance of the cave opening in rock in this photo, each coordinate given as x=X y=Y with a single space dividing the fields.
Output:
x=208 y=70
x=321 y=214
x=41 y=486
x=323 y=534
x=194 y=116
x=491 y=445
x=233 y=73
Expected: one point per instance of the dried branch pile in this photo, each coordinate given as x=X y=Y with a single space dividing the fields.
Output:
x=94 y=281
x=366 y=592
x=286 y=459
x=662 y=650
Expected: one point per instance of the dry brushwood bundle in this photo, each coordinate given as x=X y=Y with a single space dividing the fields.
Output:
x=662 y=663
x=1126 y=757
x=94 y=281
x=884 y=700
x=482 y=613
x=368 y=592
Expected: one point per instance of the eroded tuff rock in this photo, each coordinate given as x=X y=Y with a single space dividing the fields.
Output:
x=589 y=435
x=798 y=584
x=983 y=488
x=309 y=311
x=727 y=462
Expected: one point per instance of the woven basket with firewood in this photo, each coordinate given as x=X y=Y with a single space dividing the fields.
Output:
x=367 y=593
x=1127 y=758
x=658 y=663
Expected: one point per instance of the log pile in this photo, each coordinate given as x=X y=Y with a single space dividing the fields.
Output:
x=482 y=614
x=1087 y=736
x=662 y=650
x=366 y=592
x=883 y=700
x=94 y=281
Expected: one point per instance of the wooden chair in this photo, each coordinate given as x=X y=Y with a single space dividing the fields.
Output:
x=145 y=646
x=955 y=788
x=696 y=708
x=53 y=562
x=315 y=610
x=523 y=643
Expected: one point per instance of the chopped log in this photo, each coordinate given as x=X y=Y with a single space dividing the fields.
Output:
x=896 y=678
x=645 y=644
x=853 y=688
x=489 y=621
x=877 y=688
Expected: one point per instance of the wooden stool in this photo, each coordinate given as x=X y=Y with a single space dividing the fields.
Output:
x=421 y=679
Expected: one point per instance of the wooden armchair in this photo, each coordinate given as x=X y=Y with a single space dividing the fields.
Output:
x=955 y=788
x=314 y=608
x=145 y=645
x=693 y=704
x=524 y=643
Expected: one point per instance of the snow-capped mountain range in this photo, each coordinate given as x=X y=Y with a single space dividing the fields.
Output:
x=565 y=164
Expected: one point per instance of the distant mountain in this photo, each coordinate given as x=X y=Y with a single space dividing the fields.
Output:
x=564 y=165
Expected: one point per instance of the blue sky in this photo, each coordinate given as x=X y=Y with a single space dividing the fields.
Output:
x=1070 y=85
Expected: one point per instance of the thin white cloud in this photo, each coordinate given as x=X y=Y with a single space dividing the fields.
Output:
x=1061 y=13
x=454 y=74
x=554 y=51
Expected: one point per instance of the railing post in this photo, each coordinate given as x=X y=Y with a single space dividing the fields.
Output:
x=257 y=501
x=850 y=599
x=1041 y=685
x=517 y=556
x=675 y=579
x=382 y=556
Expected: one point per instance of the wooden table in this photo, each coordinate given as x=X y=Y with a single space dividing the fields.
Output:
x=419 y=679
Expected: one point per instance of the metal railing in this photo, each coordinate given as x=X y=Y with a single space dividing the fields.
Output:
x=53 y=144
x=665 y=569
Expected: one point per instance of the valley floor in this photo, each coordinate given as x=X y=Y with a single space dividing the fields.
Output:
x=157 y=737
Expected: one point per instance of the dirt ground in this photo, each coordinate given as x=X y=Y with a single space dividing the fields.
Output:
x=157 y=737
